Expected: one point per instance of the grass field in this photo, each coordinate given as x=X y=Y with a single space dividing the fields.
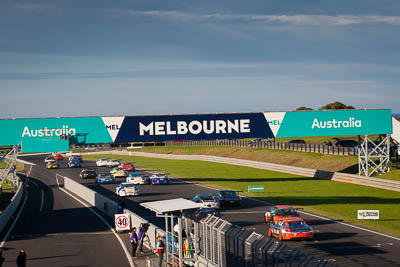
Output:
x=332 y=199
x=347 y=164
x=286 y=157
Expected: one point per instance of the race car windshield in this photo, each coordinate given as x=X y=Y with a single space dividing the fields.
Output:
x=287 y=212
x=206 y=197
x=297 y=225
x=230 y=194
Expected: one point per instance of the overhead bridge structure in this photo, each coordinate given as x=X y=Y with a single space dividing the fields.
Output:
x=58 y=134
x=396 y=131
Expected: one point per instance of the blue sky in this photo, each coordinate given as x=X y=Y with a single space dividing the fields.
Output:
x=84 y=58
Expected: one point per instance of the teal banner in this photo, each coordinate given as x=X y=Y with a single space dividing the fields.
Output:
x=79 y=130
x=44 y=145
x=333 y=123
x=44 y=132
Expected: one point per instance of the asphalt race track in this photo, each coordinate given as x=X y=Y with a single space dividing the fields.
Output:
x=334 y=241
x=56 y=230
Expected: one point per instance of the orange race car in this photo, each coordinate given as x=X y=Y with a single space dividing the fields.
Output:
x=279 y=212
x=291 y=228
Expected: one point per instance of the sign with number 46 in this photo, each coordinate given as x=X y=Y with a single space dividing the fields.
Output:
x=122 y=222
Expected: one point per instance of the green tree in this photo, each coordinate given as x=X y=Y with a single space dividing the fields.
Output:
x=304 y=108
x=336 y=105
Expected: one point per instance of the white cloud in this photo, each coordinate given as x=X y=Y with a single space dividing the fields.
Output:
x=310 y=20
x=297 y=19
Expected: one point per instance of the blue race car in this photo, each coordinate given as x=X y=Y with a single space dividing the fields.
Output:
x=105 y=177
x=74 y=164
x=159 y=178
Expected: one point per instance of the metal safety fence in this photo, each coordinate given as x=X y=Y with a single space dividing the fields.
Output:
x=316 y=148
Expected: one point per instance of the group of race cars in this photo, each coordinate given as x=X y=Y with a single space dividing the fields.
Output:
x=124 y=170
x=132 y=179
x=74 y=161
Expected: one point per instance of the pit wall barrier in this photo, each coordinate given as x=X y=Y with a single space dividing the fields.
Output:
x=110 y=207
x=12 y=207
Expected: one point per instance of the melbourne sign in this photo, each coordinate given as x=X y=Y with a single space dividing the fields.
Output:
x=192 y=127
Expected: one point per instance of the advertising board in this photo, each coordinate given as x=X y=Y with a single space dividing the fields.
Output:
x=160 y=128
x=368 y=214
x=79 y=130
x=194 y=127
x=330 y=122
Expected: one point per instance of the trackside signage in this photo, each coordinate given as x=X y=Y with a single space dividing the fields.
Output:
x=368 y=214
x=330 y=123
x=35 y=131
x=192 y=127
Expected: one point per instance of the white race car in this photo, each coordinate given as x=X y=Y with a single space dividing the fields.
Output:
x=127 y=189
x=113 y=163
x=137 y=178
x=207 y=200
x=102 y=162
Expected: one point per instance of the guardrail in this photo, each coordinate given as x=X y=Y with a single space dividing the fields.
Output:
x=314 y=173
x=11 y=208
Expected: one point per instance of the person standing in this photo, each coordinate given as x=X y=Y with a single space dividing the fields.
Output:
x=160 y=250
x=21 y=259
x=250 y=146
x=134 y=241
x=1 y=257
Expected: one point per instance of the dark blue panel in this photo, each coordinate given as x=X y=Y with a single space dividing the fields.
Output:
x=194 y=127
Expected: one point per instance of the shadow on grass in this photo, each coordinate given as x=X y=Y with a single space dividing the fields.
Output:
x=353 y=169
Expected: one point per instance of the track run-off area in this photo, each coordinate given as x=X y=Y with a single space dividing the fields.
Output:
x=56 y=230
